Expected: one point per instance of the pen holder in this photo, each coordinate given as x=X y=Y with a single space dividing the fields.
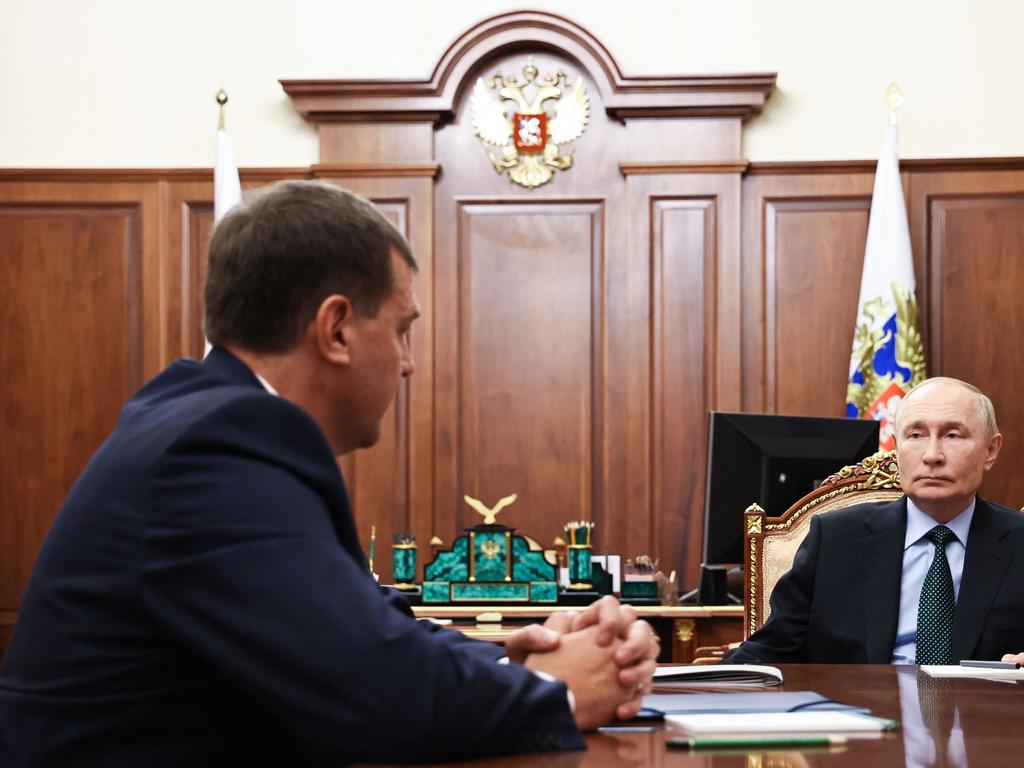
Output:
x=403 y=565
x=578 y=554
x=580 y=566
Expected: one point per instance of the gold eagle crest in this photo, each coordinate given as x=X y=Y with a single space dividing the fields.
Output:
x=529 y=137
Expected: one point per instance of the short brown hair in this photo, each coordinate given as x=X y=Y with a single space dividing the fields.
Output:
x=276 y=257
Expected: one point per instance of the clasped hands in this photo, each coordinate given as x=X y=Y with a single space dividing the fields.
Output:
x=604 y=654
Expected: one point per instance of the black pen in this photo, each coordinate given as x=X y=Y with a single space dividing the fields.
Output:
x=990 y=664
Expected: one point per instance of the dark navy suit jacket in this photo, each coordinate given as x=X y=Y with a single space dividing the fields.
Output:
x=202 y=599
x=840 y=602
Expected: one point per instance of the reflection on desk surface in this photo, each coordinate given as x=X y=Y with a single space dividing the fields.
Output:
x=965 y=722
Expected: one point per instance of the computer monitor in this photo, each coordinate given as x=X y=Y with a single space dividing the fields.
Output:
x=774 y=461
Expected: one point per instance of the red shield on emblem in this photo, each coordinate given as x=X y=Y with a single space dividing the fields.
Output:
x=530 y=131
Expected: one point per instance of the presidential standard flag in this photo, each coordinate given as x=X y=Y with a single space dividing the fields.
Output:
x=888 y=354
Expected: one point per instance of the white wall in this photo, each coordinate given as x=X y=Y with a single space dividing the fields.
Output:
x=130 y=83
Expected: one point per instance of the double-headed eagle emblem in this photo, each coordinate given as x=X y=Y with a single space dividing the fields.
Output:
x=529 y=138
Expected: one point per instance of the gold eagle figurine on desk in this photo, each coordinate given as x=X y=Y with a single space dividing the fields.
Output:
x=491 y=514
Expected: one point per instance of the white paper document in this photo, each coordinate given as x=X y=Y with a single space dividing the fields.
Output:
x=790 y=723
x=955 y=670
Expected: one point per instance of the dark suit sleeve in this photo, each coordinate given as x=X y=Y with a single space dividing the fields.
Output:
x=783 y=638
x=243 y=567
x=456 y=639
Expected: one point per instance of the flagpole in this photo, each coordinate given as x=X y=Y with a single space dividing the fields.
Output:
x=222 y=99
x=893 y=100
x=227 y=191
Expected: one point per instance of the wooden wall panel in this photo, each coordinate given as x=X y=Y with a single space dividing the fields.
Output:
x=688 y=228
x=803 y=251
x=683 y=303
x=529 y=329
x=814 y=252
x=99 y=281
x=71 y=340
x=197 y=226
x=972 y=227
x=659 y=319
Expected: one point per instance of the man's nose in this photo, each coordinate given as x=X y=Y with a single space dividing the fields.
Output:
x=408 y=366
x=933 y=452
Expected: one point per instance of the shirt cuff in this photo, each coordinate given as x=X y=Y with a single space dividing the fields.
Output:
x=551 y=679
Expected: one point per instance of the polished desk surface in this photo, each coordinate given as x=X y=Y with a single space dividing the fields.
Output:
x=977 y=722
x=683 y=629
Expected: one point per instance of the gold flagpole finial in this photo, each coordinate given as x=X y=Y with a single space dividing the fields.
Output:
x=222 y=99
x=893 y=100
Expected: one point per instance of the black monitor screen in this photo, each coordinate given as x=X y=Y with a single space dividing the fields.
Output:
x=774 y=461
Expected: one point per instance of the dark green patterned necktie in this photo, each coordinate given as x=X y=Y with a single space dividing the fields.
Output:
x=935 y=610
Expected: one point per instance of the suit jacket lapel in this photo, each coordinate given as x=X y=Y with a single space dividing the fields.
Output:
x=985 y=566
x=880 y=563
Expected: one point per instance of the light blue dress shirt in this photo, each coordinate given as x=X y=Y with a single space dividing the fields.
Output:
x=917 y=558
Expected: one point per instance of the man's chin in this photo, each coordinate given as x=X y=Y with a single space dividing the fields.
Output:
x=370 y=440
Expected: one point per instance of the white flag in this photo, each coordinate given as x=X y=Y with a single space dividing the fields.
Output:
x=888 y=353
x=227 y=191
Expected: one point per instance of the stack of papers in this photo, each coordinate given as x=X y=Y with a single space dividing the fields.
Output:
x=774 y=723
x=677 y=676
x=955 y=670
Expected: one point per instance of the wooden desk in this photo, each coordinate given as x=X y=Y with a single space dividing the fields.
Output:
x=682 y=629
x=989 y=715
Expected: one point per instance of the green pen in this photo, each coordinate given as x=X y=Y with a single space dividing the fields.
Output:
x=730 y=742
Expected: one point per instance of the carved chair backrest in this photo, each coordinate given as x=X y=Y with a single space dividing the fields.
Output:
x=770 y=543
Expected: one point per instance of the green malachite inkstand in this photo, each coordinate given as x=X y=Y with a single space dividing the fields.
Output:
x=492 y=564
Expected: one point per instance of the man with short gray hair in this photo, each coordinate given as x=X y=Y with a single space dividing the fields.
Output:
x=932 y=578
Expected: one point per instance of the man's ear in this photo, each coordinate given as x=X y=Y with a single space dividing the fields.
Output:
x=333 y=328
x=993 y=450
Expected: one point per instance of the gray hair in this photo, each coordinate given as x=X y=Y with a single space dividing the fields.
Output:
x=986 y=411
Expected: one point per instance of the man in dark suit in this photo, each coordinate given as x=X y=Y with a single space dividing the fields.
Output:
x=202 y=597
x=932 y=578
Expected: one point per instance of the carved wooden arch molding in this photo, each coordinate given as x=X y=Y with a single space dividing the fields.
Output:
x=432 y=100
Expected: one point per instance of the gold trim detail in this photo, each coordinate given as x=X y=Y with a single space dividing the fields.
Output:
x=490 y=549
x=752 y=576
x=684 y=629
x=709 y=166
x=879 y=470
x=755 y=518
